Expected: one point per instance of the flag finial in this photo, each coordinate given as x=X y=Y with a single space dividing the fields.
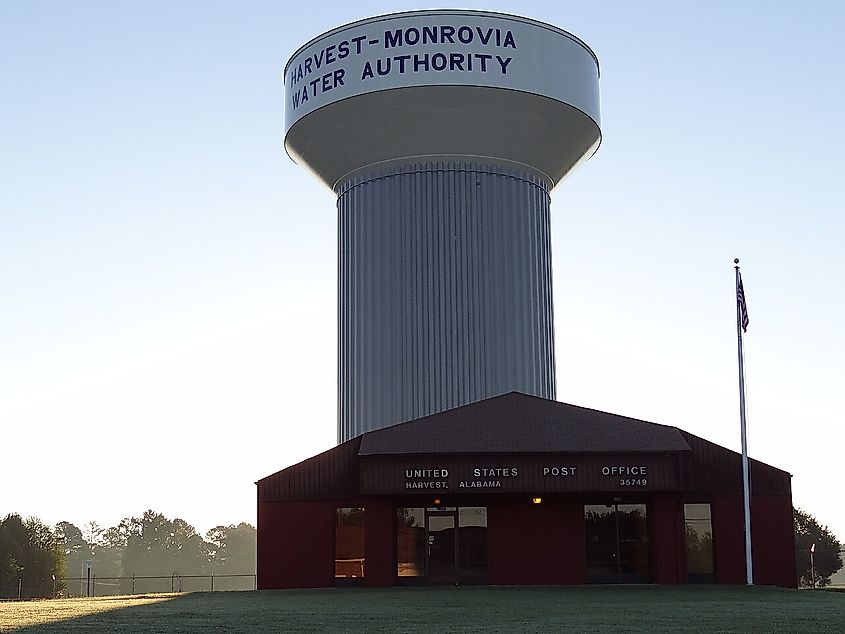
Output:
x=736 y=260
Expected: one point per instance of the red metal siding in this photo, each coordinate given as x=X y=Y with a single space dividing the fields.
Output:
x=773 y=540
x=535 y=543
x=380 y=568
x=575 y=546
x=666 y=521
x=295 y=545
x=728 y=540
x=527 y=543
x=713 y=469
x=331 y=475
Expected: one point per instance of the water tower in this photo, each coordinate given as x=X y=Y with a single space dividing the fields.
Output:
x=442 y=133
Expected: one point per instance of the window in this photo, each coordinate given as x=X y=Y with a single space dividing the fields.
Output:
x=699 y=538
x=410 y=542
x=349 y=543
x=472 y=543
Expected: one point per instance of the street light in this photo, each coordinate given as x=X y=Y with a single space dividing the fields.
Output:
x=812 y=565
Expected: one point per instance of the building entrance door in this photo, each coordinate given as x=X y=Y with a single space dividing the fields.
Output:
x=441 y=548
x=441 y=545
x=617 y=543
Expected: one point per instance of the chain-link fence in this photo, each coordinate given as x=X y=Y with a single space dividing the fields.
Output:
x=27 y=588
x=143 y=584
x=134 y=584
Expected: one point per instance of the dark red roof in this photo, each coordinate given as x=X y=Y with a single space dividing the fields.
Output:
x=519 y=423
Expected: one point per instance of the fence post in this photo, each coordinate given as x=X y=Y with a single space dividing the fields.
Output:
x=20 y=583
x=133 y=584
x=172 y=577
x=94 y=586
x=212 y=582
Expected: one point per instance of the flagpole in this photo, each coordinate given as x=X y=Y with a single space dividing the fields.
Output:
x=746 y=493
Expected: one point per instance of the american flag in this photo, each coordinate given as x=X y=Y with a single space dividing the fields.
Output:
x=743 y=309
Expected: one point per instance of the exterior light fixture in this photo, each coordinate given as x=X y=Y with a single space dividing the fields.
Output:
x=436 y=501
x=537 y=500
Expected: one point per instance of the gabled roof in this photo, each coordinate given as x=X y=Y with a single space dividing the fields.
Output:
x=519 y=423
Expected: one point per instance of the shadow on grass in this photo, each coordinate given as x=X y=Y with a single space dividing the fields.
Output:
x=476 y=609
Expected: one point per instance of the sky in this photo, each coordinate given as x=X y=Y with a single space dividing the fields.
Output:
x=168 y=275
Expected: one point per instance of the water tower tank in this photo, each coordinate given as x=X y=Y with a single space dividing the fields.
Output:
x=442 y=133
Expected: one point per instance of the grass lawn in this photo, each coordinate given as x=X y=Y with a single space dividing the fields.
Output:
x=443 y=610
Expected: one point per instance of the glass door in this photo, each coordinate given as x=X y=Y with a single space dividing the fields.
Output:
x=602 y=546
x=440 y=545
x=617 y=543
x=443 y=544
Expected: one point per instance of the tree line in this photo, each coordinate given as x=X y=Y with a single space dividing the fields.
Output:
x=37 y=561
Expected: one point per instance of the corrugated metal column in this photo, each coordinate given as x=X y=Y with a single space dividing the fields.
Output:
x=445 y=297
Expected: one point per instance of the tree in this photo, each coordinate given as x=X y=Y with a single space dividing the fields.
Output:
x=107 y=552
x=30 y=557
x=93 y=533
x=76 y=548
x=151 y=545
x=45 y=562
x=12 y=540
x=232 y=549
x=156 y=545
x=826 y=558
